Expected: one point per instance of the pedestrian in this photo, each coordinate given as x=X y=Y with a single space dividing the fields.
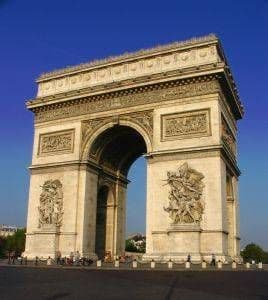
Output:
x=9 y=257
x=71 y=258
x=189 y=258
x=49 y=261
x=77 y=257
x=58 y=257
x=13 y=258
x=213 y=260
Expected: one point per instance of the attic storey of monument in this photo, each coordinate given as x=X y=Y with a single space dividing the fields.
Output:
x=178 y=106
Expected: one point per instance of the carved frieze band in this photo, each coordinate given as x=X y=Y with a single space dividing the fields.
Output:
x=124 y=99
x=144 y=119
x=56 y=142
x=151 y=65
x=227 y=136
x=186 y=125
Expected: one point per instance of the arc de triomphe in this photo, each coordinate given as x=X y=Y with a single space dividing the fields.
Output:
x=175 y=104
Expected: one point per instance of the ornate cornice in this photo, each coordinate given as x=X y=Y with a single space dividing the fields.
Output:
x=193 y=58
x=133 y=55
x=128 y=98
x=149 y=66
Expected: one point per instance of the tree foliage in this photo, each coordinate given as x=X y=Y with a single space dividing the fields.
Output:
x=130 y=246
x=2 y=246
x=13 y=244
x=254 y=252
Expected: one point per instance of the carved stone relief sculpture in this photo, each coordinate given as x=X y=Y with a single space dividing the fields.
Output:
x=51 y=204
x=186 y=187
x=56 y=142
x=186 y=125
x=227 y=136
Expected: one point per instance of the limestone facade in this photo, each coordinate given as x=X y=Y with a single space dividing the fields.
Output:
x=178 y=106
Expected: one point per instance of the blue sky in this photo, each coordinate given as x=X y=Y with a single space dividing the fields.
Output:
x=39 y=36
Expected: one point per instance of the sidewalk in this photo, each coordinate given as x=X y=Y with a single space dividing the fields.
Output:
x=144 y=266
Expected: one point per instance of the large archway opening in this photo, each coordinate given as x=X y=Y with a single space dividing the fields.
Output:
x=136 y=206
x=114 y=151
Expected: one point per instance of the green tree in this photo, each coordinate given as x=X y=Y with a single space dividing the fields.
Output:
x=253 y=252
x=2 y=246
x=16 y=242
x=265 y=258
x=130 y=247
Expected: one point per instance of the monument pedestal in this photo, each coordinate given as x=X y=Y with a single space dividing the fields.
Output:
x=43 y=242
x=185 y=237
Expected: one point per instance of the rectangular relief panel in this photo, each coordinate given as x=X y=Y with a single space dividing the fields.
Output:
x=59 y=142
x=228 y=137
x=185 y=125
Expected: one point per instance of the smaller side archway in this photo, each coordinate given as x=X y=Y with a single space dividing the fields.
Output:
x=104 y=220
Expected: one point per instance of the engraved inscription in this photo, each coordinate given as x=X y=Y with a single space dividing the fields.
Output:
x=60 y=142
x=186 y=125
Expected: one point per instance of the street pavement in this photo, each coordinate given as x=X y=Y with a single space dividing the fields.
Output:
x=25 y=282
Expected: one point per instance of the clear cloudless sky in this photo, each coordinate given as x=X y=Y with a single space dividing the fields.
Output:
x=40 y=36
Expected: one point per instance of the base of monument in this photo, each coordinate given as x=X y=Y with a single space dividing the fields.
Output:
x=182 y=257
x=90 y=255
x=177 y=257
x=43 y=243
x=43 y=255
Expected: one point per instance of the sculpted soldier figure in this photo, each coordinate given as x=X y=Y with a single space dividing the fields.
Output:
x=185 y=205
x=50 y=209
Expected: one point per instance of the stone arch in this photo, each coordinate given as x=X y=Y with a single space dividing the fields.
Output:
x=90 y=138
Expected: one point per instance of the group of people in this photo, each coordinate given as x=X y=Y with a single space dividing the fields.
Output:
x=73 y=259
x=109 y=259
x=212 y=263
x=76 y=259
